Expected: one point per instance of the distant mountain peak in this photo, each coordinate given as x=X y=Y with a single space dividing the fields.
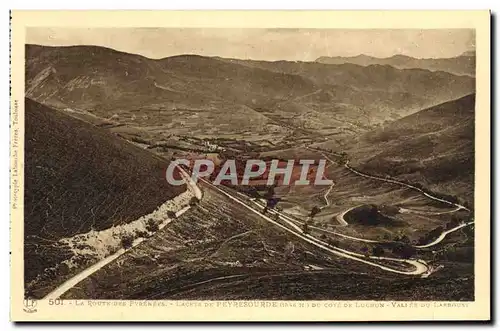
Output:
x=469 y=53
x=459 y=65
x=400 y=56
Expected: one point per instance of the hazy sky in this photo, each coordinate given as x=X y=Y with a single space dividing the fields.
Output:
x=263 y=44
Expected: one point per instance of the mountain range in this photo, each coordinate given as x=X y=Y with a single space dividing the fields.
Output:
x=464 y=64
x=205 y=94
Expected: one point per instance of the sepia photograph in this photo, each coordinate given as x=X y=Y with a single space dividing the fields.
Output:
x=247 y=164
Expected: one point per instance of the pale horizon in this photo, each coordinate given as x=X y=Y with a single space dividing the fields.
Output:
x=263 y=44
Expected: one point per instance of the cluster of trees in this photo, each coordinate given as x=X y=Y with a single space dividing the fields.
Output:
x=401 y=248
x=377 y=250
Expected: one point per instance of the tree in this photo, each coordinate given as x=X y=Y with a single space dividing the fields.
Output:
x=171 y=214
x=408 y=251
x=276 y=216
x=152 y=226
x=314 y=211
x=405 y=239
x=343 y=158
x=333 y=242
x=127 y=241
x=253 y=193
x=271 y=200
x=269 y=193
x=305 y=228
x=378 y=250
x=141 y=234
x=194 y=201
x=455 y=221
x=422 y=240
x=404 y=251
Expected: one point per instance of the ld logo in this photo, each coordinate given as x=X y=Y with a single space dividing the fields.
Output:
x=29 y=305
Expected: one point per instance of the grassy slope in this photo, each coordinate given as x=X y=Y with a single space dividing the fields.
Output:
x=78 y=178
x=434 y=147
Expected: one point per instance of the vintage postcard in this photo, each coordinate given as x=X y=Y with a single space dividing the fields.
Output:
x=250 y=166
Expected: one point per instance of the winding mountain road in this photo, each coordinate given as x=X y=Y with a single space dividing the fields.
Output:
x=341 y=220
x=420 y=267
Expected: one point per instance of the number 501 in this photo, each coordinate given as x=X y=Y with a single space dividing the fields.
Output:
x=55 y=302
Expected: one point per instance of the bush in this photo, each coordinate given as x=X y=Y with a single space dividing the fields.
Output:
x=315 y=210
x=378 y=250
x=127 y=241
x=141 y=234
x=404 y=251
x=305 y=228
x=194 y=201
x=333 y=242
x=455 y=221
x=389 y=210
x=152 y=226
x=171 y=214
x=404 y=239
